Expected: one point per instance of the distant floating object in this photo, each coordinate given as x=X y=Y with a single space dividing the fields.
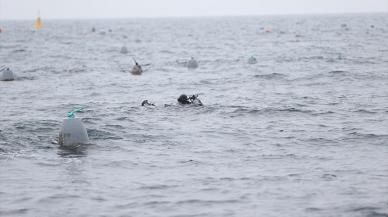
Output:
x=147 y=103
x=1 y=30
x=102 y=33
x=109 y=30
x=252 y=60
x=6 y=74
x=136 y=70
x=123 y=50
x=93 y=29
x=73 y=131
x=192 y=63
x=137 y=40
x=372 y=26
x=38 y=23
x=192 y=100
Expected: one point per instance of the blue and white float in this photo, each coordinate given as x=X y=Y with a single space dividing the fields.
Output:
x=73 y=132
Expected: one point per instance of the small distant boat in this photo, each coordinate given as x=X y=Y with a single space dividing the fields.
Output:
x=38 y=23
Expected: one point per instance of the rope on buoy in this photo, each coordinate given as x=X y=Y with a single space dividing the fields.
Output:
x=71 y=114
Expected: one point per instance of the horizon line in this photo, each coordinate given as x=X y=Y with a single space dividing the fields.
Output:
x=200 y=16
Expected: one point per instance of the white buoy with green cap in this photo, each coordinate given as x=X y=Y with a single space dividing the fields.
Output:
x=252 y=60
x=6 y=74
x=73 y=131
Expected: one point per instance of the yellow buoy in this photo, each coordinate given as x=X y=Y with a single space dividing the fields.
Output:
x=38 y=24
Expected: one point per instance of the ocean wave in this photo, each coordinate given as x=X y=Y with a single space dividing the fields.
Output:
x=96 y=134
x=207 y=202
x=368 y=135
x=271 y=76
x=269 y=110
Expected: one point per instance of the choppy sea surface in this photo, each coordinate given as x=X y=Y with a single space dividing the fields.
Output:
x=304 y=132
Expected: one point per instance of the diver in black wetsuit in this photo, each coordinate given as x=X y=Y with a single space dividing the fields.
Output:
x=182 y=100
x=146 y=103
x=192 y=100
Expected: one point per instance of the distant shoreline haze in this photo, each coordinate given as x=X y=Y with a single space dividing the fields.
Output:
x=121 y=9
x=200 y=17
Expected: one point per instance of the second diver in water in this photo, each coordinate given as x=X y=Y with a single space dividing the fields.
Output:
x=182 y=100
x=192 y=100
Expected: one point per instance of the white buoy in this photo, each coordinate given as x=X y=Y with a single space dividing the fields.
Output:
x=252 y=60
x=136 y=70
x=6 y=74
x=73 y=133
x=124 y=50
x=192 y=63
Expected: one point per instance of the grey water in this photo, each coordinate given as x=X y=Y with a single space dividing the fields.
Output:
x=304 y=132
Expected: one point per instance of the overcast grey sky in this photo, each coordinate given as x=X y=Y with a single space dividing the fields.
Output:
x=28 y=9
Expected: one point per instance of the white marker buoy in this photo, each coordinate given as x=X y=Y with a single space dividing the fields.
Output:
x=123 y=50
x=136 y=70
x=252 y=60
x=73 y=131
x=6 y=74
x=192 y=63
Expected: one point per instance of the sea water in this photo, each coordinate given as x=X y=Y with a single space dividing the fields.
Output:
x=304 y=132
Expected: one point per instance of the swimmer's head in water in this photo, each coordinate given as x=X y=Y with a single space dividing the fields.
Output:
x=147 y=103
x=183 y=99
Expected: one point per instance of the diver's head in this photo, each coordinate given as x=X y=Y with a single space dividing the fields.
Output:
x=147 y=103
x=183 y=99
x=144 y=103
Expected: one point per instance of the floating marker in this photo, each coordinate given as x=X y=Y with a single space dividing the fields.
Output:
x=73 y=131
x=6 y=74
x=38 y=23
x=124 y=50
x=136 y=70
x=252 y=60
x=192 y=63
